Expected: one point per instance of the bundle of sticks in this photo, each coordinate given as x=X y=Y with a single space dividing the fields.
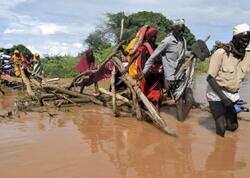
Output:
x=131 y=100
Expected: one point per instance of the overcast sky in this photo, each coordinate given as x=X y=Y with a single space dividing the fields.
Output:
x=60 y=26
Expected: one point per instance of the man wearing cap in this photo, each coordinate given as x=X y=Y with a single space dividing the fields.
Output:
x=227 y=69
x=172 y=51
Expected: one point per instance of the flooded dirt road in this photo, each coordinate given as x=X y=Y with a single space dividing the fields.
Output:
x=89 y=142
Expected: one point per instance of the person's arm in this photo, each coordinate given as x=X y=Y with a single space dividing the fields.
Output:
x=214 y=67
x=155 y=54
x=217 y=89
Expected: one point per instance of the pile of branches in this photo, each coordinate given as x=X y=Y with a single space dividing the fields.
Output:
x=131 y=100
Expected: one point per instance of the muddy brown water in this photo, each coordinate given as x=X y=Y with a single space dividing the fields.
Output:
x=89 y=142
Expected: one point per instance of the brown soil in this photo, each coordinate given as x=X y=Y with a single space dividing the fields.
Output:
x=89 y=142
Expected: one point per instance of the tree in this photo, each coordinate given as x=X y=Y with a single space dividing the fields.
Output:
x=110 y=29
x=216 y=46
x=97 y=40
x=23 y=49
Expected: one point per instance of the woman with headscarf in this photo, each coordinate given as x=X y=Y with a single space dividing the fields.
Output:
x=150 y=84
x=87 y=61
x=171 y=51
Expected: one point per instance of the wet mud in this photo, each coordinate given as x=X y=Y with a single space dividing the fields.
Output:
x=89 y=142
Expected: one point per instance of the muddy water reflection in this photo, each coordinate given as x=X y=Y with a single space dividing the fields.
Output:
x=89 y=142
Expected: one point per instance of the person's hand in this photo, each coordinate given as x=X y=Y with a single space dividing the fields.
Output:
x=227 y=102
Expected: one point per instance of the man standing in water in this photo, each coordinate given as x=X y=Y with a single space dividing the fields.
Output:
x=227 y=69
x=172 y=50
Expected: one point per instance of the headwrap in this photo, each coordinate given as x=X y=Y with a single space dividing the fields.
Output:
x=151 y=32
x=242 y=28
x=231 y=47
x=179 y=22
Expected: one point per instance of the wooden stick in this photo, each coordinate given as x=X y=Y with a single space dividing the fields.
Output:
x=118 y=96
x=26 y=82
x=3 y=93
x=115 y=111
x=73 y=94
x=64 y=97
x=155 y=116
x=136 y=105
x=122 y=29
x=75 y=100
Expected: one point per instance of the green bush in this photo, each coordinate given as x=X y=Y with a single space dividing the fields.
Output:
x=201 y=66
x=60 y=66
x=64 y=66
x=101 y=55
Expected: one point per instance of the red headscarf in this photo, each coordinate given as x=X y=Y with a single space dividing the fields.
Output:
x=151 y=32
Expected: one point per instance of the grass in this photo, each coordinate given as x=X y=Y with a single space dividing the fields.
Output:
x=201 y=66
x=102 y=54
x=64 y=66
x=60 y=66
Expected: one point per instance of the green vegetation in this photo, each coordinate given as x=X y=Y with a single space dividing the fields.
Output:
x=108 y=33
x=60 y=66
x=201 y=66
x=21 y=48
x=64 y=66
x=104 y=38
x=217 y=45
x=101 y=55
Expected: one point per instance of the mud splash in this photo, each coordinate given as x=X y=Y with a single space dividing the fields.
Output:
x=89 y=142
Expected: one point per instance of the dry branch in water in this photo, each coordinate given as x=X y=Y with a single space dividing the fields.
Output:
x=120 y=104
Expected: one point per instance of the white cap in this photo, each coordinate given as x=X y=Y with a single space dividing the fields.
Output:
x=179 y=22
x=241 y=29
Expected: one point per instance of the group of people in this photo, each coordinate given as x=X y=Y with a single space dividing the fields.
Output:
x=155 y=68
x=12 y=64
x=228 y=67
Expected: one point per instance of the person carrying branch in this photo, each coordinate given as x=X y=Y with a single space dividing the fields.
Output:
x=228 y=67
